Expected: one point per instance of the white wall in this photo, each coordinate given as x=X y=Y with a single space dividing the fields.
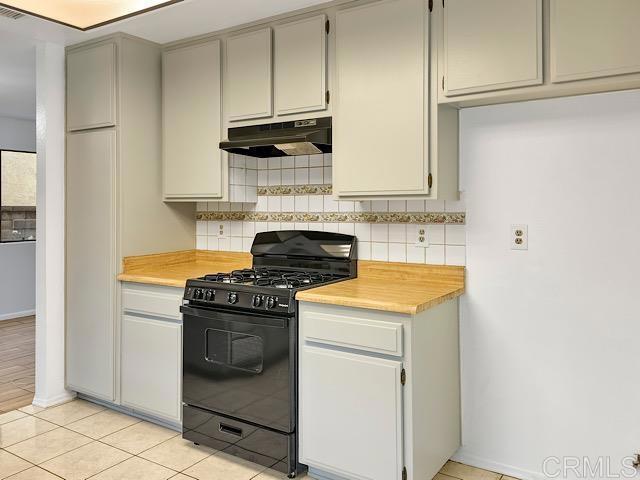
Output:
x=50 y=279
x=17 y=279
x=550 y=335
x=17 y=262
x=17 y=134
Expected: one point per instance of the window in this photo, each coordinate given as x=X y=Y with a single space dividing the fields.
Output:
x=17 y=196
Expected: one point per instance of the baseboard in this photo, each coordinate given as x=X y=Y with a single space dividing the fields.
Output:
x=320 y=475
x=11 y=316
x=132 y=412
x=52 y=402
x=510 y=470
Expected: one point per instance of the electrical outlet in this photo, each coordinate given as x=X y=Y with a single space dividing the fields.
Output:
x=421 y=239
x=519 y=237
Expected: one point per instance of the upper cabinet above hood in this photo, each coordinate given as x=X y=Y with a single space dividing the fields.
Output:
x=301 y=137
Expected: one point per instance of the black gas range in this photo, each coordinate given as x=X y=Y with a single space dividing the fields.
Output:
x=240 y=345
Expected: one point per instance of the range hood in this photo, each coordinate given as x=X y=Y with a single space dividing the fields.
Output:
x=300 y=137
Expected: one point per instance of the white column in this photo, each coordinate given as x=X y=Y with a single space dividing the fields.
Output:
x=50 y=280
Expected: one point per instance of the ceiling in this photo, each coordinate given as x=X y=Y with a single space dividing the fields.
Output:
x=84 y=14
x=173 y=22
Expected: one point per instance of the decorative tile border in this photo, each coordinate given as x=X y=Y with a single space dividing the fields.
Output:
x=295 y=190
x=437 y=218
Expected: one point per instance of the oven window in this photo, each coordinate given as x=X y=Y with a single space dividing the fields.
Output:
x=235 y=350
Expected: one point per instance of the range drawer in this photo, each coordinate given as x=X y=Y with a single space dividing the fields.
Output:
x=156 y=301
x=353 y=332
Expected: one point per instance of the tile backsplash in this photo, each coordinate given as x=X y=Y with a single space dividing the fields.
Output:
x=287 y=193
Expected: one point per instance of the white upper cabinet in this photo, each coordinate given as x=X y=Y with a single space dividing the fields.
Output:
x=591 y=38
x=380 y=123
x=91 y=87
x=301 y=66
x=193 y=161
x=491 y=45
x=248 y=82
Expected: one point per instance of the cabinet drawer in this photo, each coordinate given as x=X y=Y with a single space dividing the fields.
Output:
x=152 y=303
x=354 y=332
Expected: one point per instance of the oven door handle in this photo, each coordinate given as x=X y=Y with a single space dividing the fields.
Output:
x=236 y=317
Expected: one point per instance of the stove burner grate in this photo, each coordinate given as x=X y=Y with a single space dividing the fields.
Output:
x=268 y=277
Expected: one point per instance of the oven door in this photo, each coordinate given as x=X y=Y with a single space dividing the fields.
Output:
x=241 y=365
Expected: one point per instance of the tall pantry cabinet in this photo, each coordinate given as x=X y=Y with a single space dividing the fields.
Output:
x=114 y=205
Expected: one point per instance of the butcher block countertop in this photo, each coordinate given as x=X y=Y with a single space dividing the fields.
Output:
x=393 y=287
x=175 y=268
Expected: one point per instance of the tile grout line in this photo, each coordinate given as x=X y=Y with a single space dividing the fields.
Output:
x=57 y=427
x=449 y=476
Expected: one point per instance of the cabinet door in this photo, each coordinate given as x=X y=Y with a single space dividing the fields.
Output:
x=491 y=45
x=192 y=122
x=91 y=87
x=300 y=66
x=248 y=83
x=152 y=366
x=380 y=124
x=591 y=39
x=90 y=261
x=351 y=414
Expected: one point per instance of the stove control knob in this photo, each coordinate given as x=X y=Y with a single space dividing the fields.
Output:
x=257 y=301
x=209 y=295
x=271 y=302
x=197 y=294
x=233 y=298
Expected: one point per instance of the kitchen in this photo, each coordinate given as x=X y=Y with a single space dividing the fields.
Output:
x=296 y=243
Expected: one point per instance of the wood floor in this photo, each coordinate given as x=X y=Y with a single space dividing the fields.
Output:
x=17 y=363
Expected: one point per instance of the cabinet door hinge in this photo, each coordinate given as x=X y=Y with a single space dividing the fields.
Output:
x=327 y=26
x=431 y=5
x=327 y=97
x=430 y=180
x=403 y=376
x=404 y=473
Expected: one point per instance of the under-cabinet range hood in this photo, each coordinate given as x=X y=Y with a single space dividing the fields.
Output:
x=300 y=137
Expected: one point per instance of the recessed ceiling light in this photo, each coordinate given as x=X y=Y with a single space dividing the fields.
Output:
x=86 y=14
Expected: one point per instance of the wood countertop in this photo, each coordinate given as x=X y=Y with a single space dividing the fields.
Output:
x=393 y=287
x=175 y=268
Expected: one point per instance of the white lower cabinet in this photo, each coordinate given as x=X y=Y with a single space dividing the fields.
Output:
x=379 y=392
x=364 y=396
x=90 y=284
x=151 y=351
x=151 y=366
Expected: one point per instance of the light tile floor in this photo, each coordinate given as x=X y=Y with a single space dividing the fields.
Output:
x=81 y=440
